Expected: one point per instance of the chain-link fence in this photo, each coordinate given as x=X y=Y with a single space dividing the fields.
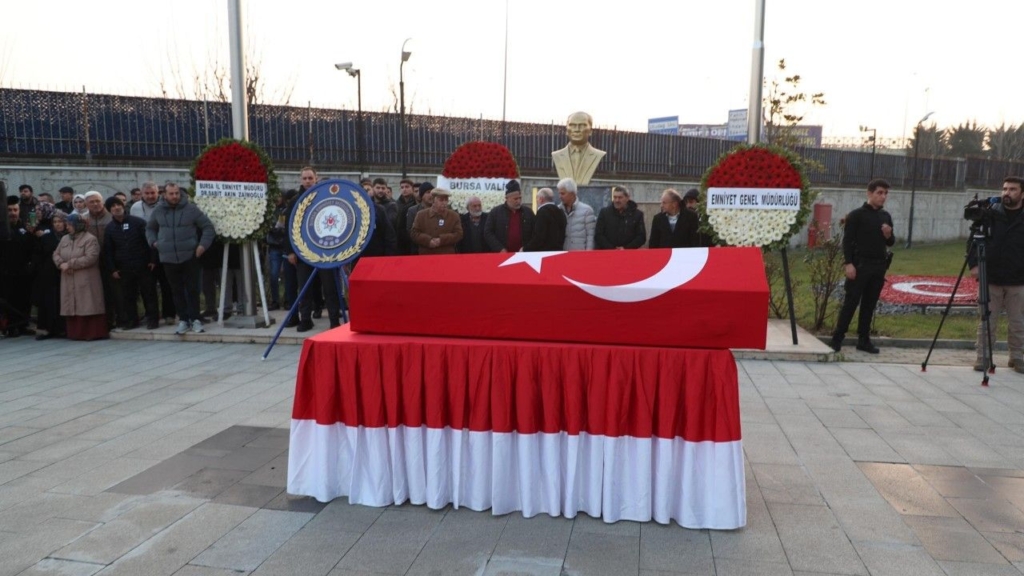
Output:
x=67 y=125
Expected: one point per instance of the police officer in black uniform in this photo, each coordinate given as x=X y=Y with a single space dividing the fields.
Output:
x=866 y=237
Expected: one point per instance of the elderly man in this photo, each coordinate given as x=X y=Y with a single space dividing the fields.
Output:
x=580 y=220
x=621 y=225
x=549 y=226
x=181 y=233
x=674 y=226
x=509 y=225
x=150 y=197
x=438 y=229
x=98 y=217
x=473 y=222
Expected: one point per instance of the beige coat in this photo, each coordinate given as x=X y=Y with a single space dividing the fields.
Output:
x=81 y=289
x=447 y=227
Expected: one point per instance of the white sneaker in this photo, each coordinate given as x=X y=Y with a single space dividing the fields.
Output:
x=182 y=328
x=197 y=326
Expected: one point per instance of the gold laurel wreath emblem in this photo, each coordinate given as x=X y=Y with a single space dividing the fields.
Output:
x=303 y=248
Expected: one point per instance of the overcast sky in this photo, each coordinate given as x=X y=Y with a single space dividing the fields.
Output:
x=880 y=63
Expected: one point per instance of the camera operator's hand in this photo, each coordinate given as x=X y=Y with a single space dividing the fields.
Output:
x=886 y=231
x=974 y=272
x=851 y=272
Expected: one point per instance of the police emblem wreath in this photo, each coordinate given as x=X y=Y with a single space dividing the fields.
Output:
x=234 y=184
x=755 y=196
x=331 y=223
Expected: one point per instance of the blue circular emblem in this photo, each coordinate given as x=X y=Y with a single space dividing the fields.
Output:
x=331 y=223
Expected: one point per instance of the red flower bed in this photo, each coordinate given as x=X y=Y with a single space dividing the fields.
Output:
x=230 y=162
x=929 y=290
x=481 y=160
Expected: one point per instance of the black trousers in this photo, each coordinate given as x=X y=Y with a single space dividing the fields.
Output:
x=330 y=292
x=166 y=294
x=135 y=282
x=184 y=281
x=863 y=291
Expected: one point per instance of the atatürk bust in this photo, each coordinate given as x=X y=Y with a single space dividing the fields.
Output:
x=579 y=159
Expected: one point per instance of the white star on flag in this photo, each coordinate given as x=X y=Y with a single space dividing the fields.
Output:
x=532 y=259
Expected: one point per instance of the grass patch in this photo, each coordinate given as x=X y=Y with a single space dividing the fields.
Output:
x=926 y=259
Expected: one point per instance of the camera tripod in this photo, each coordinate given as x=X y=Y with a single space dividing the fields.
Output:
x=977 y=242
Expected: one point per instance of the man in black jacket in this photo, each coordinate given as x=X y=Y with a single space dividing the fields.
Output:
x=130 y=260
x=1005 y=274
x=866 y=236
x=620 y=225
x=674 y=226
x=473 y=223
x=549 y=226
x=16 y=272
x=407 y=199
x=509 y=226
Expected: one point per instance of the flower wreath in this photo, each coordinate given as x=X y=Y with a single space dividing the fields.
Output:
x=756 y=166
x=237 y=220
x=479 y=161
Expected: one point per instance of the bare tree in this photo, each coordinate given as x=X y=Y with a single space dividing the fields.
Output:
x=786 y=107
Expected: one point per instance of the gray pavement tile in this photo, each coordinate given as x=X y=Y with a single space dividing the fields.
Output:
x=839 y=418
x=968 y=569
x=990 y=515
x=25 y=550
x=602 y=554
x=882 y=418
x=340 y=516
x=391 y=545
x=190 y=570
x=998 y=472
x=586 y=523
x=956 y=482
x=786 y=484
x=766 y=443
x=245 y=458
x=248 y=495
x=919 y=449
x=676 y=549
x=906 y=490
x=112 y=540
x=163 y=476
x=809 y=437
x=208 y=483
x=1010 y=545
x=920 y=414
x=12 y=433
x=168 y=551
x=501 y=566
x=750 y=567
x=310 y=552
x=814 y=540
x=103 y=477
x=953 y=539
x=54 y=567
x=289 y=503
x=274 y=472
x=461 y=544
x=14 y=469
x=541 y=540
x=250 y=543
x=897 y=560
x=865 y=445
x=872 y=520
x=1011 y=489
x=758 y=539
x=839 y=477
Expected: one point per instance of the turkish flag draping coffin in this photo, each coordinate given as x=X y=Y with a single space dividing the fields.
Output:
x=684 y=297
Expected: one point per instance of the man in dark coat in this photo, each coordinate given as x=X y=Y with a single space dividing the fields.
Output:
x=674 y=226
x=130 y=262
x=621 y=224
x=549 y=226
x=509 y=226
x=407 y=199
x=473 y=223
x=426 y=200
x=16 y=272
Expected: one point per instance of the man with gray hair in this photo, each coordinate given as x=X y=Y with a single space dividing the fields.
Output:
x=144 y=209
x=580 y=218
x=549 y=226
x=473 y=223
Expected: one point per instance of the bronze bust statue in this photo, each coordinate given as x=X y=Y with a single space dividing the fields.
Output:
x=579 y=159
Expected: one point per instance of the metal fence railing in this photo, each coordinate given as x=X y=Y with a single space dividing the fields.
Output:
x=66 y=125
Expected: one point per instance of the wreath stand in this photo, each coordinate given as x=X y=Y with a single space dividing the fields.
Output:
x=245 y=321
x=340 y=281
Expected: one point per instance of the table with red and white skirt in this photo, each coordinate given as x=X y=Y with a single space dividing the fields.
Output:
x=617 y=432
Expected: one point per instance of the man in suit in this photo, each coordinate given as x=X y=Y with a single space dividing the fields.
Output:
x=549 y=226
x=579 y=159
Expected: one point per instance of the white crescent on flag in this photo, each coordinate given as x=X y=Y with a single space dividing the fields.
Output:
x=683 y=265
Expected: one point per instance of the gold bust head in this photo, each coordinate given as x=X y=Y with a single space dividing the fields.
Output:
x=578 y=128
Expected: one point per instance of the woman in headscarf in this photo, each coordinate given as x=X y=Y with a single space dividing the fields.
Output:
x=46 y=285
x=79 y=203
x=81 y=289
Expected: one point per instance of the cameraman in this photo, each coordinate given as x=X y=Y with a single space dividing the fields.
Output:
x=866 y=237
x=1005 y=273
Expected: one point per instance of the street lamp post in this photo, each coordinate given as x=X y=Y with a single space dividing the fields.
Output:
x=874 y=147
x=401 y=98
x=360 y=140
x=913 y=178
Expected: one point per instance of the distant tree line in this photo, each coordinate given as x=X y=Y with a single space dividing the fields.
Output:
x=969 y=140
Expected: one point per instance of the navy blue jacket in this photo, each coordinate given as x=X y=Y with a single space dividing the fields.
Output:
x=125 y=246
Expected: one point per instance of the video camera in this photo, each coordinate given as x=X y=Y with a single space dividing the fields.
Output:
x=980 y=209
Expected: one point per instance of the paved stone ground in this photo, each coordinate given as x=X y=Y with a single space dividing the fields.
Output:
x=135 y=457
